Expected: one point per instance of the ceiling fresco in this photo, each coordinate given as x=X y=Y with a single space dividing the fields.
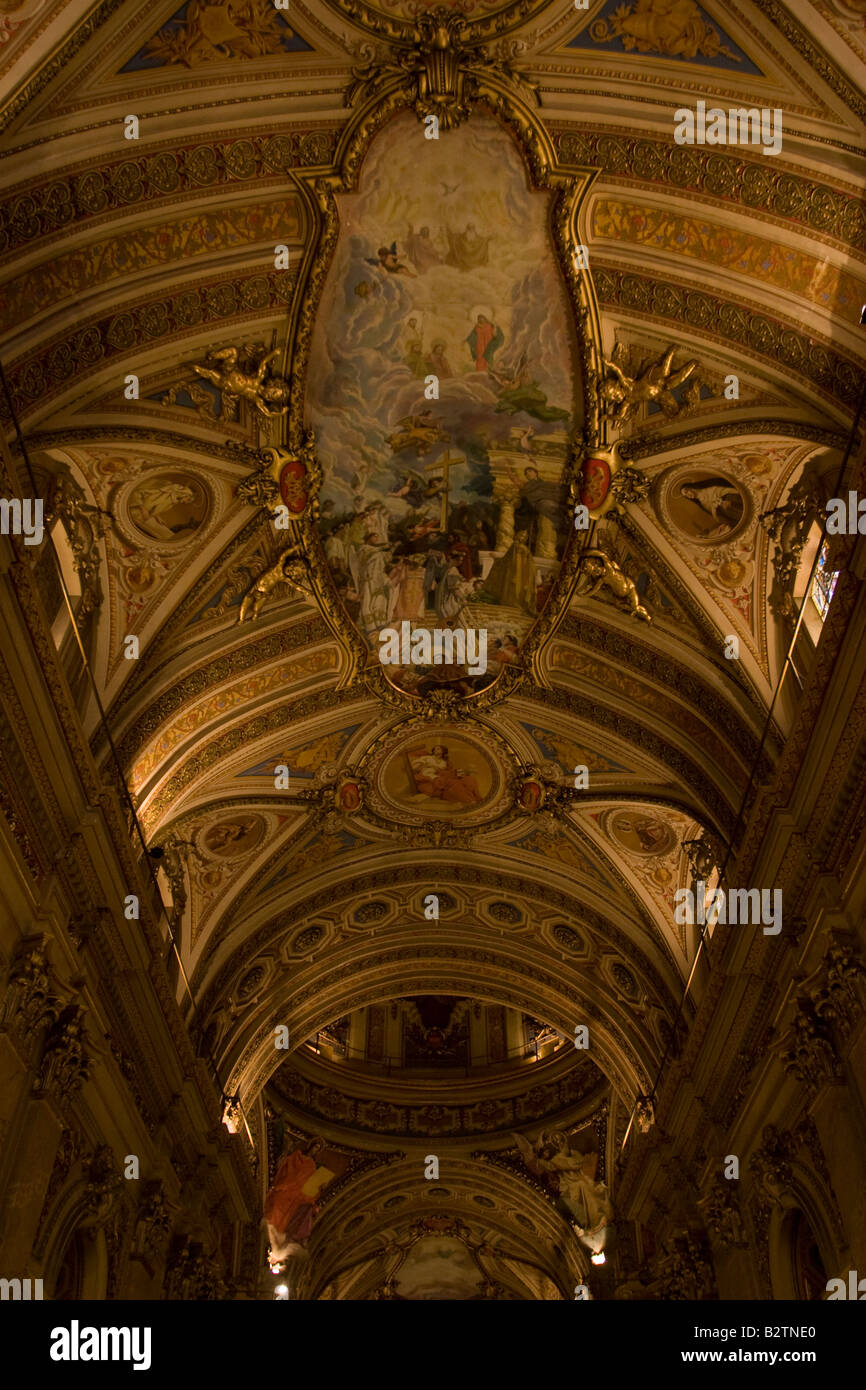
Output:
x=447 y=507
x=476 y=385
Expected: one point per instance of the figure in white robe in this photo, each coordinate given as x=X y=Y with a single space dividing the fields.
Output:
x=572 y=1175
x=373 y=585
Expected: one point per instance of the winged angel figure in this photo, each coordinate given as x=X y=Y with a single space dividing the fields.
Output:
x=622 y=395
x=270 y=397
x=571 y=1176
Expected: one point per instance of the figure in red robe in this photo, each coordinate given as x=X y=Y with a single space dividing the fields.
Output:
x=484 y=340
x=289 y=1210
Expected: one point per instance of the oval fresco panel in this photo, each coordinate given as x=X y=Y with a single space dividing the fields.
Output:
x=229 y=839
x=444 y=512
x=641 y=833
x=435 y=776
x=167 y=507
x=434 y=771
x=706 y=506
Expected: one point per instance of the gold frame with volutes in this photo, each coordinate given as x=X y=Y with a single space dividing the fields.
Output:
x=480 y=85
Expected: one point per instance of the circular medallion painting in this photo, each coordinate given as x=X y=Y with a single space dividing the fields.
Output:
x=230 y=838
x=167 y=507
x=639 y=832
x=706 y=506
x=441 y=774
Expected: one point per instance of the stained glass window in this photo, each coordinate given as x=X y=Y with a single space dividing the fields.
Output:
x=824 y=582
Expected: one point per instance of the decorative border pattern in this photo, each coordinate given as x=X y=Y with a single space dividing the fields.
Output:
x=711 y=171
x=398 y=29
x=90 y=347
x=33 y=210
x=814 y=56
x=833 y=375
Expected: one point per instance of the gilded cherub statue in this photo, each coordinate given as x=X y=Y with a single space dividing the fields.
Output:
x=621 y=395
x=602 y=572
x=270 y=397
x=289 y=568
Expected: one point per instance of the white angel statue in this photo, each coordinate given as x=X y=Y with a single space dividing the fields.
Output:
x=572 y=1176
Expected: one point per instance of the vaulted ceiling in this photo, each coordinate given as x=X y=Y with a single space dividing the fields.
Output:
x=140 y=256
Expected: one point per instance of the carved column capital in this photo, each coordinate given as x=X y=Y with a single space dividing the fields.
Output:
x=64 y=1065
x=808 y=1051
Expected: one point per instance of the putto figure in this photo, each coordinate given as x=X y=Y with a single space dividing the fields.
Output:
x=621 y=395
x=290 y=568
x=602 y=572
x=269 y=397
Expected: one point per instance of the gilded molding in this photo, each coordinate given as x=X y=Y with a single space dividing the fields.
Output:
x=400 y=31
x=644 y=447
x=835 y=376
x=815 y=57
x=732 y=178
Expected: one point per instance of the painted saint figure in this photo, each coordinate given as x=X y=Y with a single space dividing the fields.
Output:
x=484 y=341
x=421 y=250
x=406 y=583
x=511 y=581
x=572 y=1176
x=290 y=1206
x=467 y=249
x=434 y=775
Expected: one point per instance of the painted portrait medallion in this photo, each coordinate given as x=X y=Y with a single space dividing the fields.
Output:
x=639 y=832
x=443 y=387
x=706 y=506
x=229 y=839
x=441 y=777
x=167 y=507
x=437 y=773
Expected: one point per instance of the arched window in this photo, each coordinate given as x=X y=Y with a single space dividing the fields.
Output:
x=824 y=582
x=820 y=587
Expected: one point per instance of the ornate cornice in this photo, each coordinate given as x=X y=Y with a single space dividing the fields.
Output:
x=789 y=196
x=647 y=447
x=438 y=1116
x=188 y=308
x=58 y=61
x=749 y=326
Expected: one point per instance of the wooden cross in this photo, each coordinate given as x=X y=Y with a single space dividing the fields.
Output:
x=444 y=465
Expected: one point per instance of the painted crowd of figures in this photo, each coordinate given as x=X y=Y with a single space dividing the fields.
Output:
x=442 y=502
x=398 y=562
